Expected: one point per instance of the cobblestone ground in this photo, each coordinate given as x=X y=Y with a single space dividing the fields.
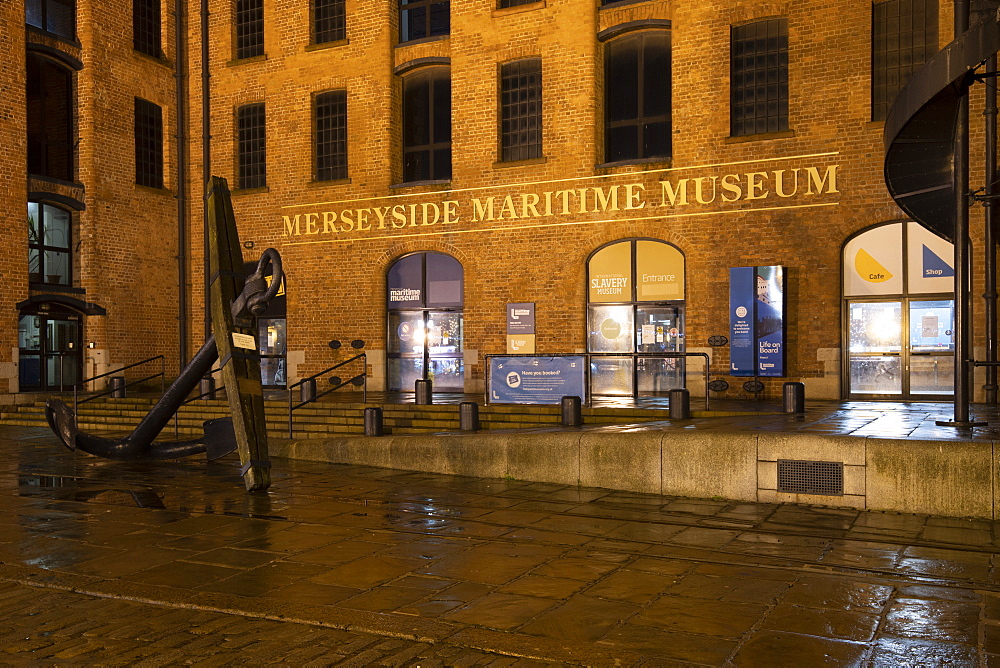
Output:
x=172 y=563
x=48 y=626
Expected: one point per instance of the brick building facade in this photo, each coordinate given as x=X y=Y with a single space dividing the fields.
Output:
x=370 y=142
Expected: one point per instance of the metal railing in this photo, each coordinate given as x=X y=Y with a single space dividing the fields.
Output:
x=210 y=392
x=117 y=372
x=360 y=380
x=634 y=356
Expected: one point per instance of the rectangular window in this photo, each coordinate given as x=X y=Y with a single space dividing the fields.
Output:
x=50 y=107
x=758 y=81
x=329 y=21
x=904 y=37
x=251 y=145
x=521 y=110
x=330 y=118
x=148 y=144
x=427 y=125
x=146 y=27
x=249 y=28
x=423 y=18
x=504 y=4
x=55 y=16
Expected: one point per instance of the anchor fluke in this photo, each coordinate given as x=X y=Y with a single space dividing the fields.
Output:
x=218 y=440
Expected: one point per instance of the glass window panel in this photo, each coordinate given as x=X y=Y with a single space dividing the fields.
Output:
x=931 y=326
x=659 y=330
x=34 y=265
x=33 y=15
x=444 y=333
x=406 y=332
x=876 y=327
x=876 y=375
x=444 y=280
x=611 y=375
x=57 y=227
x=28 y=334
x=405 y=281
x=403 y=373
x=272 y=371
x=758 y=77
x=657 y=376
x=60 y=18
x=56 y=269
x=447 y=375
x=61 y=336
x=30 y=371
x=610 y=329
x=271 y=336
x=932 y=374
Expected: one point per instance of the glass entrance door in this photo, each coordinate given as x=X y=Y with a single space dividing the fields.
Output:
x=659 y=329
x=901 y=348
x=426 y=340
x=49 y=352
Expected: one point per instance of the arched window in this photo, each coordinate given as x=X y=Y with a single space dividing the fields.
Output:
x=427 y=125
x=635 y=310
x=637 y=104
x=50 y=118
x=899 y=308
x=50 y=232
x=424 y=299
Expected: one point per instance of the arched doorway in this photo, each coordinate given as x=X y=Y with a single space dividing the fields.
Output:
x=424 y=300
x=899 y=313
x=635 y=306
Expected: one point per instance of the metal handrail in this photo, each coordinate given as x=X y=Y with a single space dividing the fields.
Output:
x=162 y=376
x=187 y=401
x=363 y=376
x=589 y=356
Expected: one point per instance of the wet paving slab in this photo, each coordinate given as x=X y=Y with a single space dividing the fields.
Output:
x=530 y=571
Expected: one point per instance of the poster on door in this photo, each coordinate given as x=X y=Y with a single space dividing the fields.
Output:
x=757 y=321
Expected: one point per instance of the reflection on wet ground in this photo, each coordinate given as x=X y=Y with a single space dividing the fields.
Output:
x=574 y=574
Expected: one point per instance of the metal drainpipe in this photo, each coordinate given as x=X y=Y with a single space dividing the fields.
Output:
x=963 y=309
x=206 y=153
x=180 y=78
x=989 y=237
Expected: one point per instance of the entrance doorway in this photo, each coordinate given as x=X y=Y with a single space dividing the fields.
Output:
x=50 y=353
x=635 y=309
x=425 y=322
x=899 y=333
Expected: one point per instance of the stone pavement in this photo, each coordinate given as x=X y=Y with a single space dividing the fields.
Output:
x=172 y=562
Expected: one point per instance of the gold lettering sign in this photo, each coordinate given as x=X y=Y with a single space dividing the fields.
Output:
x=795 y=182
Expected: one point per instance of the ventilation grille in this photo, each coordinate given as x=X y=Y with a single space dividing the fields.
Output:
x=804 y=477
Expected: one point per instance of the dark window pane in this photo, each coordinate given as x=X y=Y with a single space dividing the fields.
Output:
x=251 y=146
x=49 y=243
x=904 y=37
x=331 y=135
x=423 y=18
x=504 y=4
x=637 y=89
x=444 y=280
x=249 y=28
x=146 y=27
x=521 y=110
x=759 y=77
x=60 y=17
x=427 y=125
x=148 y=144
x=49 y=98
x=329 y=21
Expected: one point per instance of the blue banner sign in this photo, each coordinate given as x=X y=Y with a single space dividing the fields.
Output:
x=537 y=380
x=757 y=321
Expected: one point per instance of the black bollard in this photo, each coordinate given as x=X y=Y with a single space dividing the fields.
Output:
x=680 y=404
x=373 y=421
x=117 y=387
x=572 y=416
x=423 y=392
x=794 y=397
x=468 y=416
x=206 y=387
x=307 y=390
